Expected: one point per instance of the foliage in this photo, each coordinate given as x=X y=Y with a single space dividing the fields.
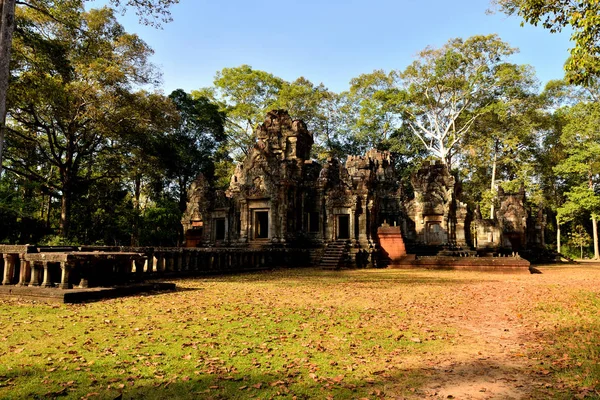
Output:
x=189 y=149
x=583 y=17
x=445 y=90
x=71 y=104
x=579 y=237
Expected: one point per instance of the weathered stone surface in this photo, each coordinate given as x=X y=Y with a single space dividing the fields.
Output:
x=391 y=242
x=437 y=216
x=279 y=198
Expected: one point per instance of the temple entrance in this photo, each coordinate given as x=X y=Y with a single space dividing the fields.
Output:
x=435 y=233
x=261 y=225
x=343 y=226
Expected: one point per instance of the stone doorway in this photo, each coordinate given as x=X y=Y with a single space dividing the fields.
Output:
x=261 y=225
x=343 y=226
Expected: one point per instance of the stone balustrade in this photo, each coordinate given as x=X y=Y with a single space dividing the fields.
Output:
x=87 y=266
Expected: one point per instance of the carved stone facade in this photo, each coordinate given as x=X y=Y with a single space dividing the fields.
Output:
x=437 y=216
x=279 y=197
x=513 y=227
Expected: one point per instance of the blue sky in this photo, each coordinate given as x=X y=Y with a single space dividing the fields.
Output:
x=328 y=41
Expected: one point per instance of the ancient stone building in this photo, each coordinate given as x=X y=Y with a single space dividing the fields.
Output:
x=436 y=215
x=279 y=197
x=513 y=226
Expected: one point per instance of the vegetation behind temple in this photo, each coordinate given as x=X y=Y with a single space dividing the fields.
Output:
x=95 y=155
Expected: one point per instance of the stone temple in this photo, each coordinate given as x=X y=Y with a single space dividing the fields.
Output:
x=278 y=197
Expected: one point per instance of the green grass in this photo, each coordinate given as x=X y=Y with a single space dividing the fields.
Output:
x=570 y=348
x=288 y=333
x=284 y=334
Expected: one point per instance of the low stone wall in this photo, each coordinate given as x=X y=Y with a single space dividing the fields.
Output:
x=498 y=264
x=85 y=266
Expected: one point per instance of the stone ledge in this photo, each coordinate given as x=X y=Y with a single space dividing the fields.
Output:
x=491 y=264
x=55 y=295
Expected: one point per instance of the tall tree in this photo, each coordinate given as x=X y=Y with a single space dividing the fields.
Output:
x=244 y=95
x=150 y=12
x=371 y=118
x=503 y=139
x=445 y=90
x=582 y=146
x=190 y=147
x=71 y=97
x=7 y=22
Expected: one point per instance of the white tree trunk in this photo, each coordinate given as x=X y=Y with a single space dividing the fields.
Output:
x=595 y=230
x=7 y=26
x=493 y=183
x=557 y=235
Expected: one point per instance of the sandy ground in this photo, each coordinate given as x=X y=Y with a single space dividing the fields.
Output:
x=496 y=318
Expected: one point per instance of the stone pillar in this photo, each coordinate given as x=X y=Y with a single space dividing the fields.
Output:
x=46 y=282
x=180 y=265
x=25 y=273
x=362 y=223
x=35 y=268
x=195 y=260
x=185 y=263
x=352 y=225
x=139 y=267
x=65 y=272
x=244 y=215
x=9 y=268
x=160 y=262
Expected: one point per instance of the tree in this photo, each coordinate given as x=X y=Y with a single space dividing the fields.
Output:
x=7 y=22
x=71 y=105
x=583 y=17
x=580 y=238
x=190 y=147
x=582 y=146
x=503 y=140
x=244 y=95
x=150 y=12
x=445 y=90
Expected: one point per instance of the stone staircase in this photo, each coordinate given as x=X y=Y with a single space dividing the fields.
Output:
x=335 y=255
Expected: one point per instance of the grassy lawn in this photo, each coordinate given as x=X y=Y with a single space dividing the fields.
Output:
x=310 y=334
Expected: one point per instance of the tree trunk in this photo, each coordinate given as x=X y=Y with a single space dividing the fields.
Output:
x=65 y=206
x=493 y=185
x=557 y=235
x=135 y=229
x=7 y=25
x=595 y=230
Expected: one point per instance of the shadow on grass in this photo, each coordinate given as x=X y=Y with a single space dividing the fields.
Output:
x=482 y=378
x=379 y=278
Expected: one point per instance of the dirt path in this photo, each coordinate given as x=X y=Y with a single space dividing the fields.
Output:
x=492 y=360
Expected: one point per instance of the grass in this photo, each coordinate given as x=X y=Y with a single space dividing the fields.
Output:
x=286 y=334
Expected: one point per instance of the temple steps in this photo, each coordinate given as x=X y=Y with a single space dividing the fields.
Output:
x=335 y=255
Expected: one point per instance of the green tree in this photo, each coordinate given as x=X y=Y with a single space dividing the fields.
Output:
x=150 y=12
x=582 y=146
x=372 y=120
x=445 y=90
x=583 y=17
x=71 y=102
x=580 y=238
x=191 y=146
x=244 y=95
x=501 y=144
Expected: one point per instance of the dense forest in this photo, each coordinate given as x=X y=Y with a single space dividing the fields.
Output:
x=94 y=153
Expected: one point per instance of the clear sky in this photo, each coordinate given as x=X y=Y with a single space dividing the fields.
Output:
x=328 y=41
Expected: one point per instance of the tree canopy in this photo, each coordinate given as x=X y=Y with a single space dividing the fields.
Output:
x=583 y=17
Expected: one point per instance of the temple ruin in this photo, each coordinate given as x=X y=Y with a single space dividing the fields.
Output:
x=279 y=197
